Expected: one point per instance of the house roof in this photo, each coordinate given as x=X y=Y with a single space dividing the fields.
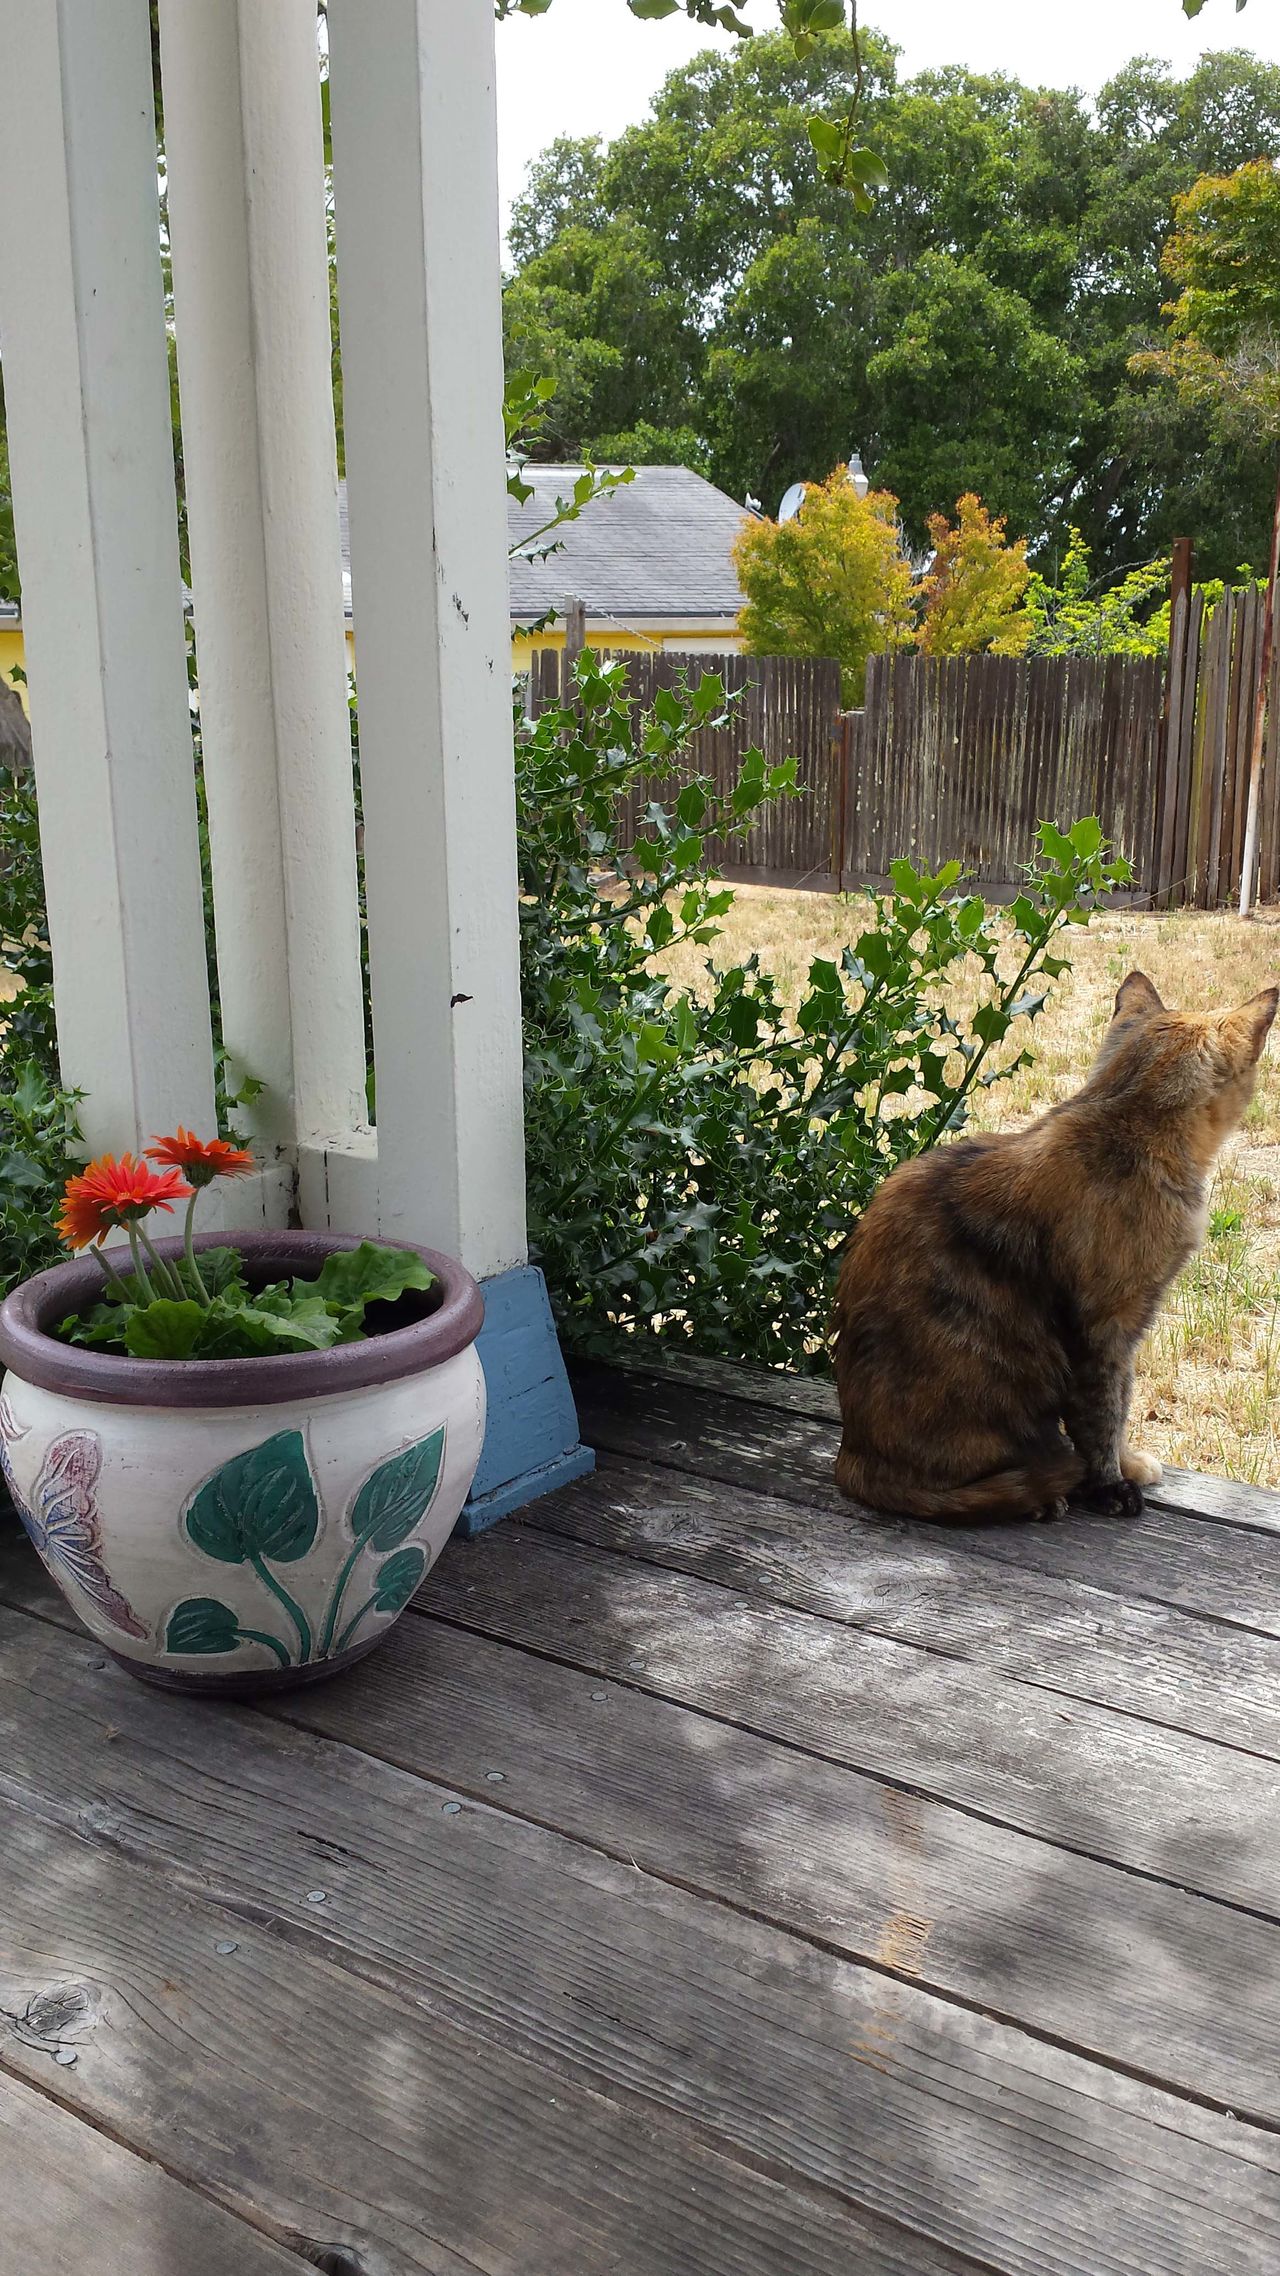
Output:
x=659 y=547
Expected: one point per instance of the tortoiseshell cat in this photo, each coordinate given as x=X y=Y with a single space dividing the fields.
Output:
x=994 y=1293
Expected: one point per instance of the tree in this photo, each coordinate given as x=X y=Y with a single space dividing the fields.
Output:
x=972 y=332
x=1224 y=326
x=974 y=592
x=1083 y=615
x=833 y=581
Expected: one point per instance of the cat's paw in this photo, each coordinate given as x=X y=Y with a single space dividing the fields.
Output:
x=1051 y=1510
x=1113 y=1497
x=1141 y=1469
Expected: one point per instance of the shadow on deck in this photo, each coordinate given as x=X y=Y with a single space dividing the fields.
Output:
x=702 y=1881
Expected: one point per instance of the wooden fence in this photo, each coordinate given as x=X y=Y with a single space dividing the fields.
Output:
x=1198 y=845
x=790 y=708
x=963 y=755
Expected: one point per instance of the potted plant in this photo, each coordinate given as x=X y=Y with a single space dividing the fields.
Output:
x=236 y=1459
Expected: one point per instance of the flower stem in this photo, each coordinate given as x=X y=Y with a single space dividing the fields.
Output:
x=165 y=1273
x=295 y=1611
x=109 y=1273
x=188 y=1233
x=260 y=1636
x=335 y=1602
x=139 y=1269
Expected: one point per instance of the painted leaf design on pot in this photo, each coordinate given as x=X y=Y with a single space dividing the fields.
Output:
x=260 y=1504
x=397 y=1579
x=201 y=1624
x=397 y=1495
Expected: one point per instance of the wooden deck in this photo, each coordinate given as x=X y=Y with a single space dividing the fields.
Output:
x=700 y=1882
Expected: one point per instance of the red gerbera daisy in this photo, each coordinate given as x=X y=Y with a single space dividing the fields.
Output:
x=202 y=1159
x=111 y=1193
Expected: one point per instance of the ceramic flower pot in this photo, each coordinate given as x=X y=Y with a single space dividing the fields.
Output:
x=242 y=1525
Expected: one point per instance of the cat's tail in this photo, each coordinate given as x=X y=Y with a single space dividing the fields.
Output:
x=1025 y=1489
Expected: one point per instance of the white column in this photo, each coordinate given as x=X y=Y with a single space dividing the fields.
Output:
x=415 y=150
x=251 y=289
x=87 y=396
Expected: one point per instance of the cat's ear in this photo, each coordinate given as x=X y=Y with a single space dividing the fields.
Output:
x=1249 y=1026
x=1136 y=994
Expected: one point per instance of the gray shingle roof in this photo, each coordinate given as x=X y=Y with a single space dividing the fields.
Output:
x=659 y=547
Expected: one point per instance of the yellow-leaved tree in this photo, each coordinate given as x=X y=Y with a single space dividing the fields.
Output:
x=834 y=581
x=974 y=593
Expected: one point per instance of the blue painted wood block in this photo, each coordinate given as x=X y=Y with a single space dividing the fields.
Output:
x=531 y=1444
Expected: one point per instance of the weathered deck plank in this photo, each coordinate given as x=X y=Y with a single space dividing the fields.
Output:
x=768 y=1390
x=922 y=1585
x=712 y=1876
x=340 y=2113
x=72 y=2200
x=1087 y=1778
x=975 y=2137
x=1201 y=1559
x=1145 y=1977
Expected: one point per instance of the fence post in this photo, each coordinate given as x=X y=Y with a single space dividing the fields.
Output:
x=1260 y=716
x=1170 y=787
x=575 y=634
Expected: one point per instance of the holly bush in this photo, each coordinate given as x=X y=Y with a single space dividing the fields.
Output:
x=697 y=1156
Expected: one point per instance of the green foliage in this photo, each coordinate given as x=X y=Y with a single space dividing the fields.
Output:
x=696 y=1157
x=9 y=590
x=38 y=1129
x=37 y=1134
x=526 y=404
x=1080 y=616
x=844 y=162
x=1223 y=351
x=210 y=1312
x=1020 y=235
x=974 y=591
x=832 y=581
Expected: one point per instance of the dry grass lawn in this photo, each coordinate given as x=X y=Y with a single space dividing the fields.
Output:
x=1210 y=1371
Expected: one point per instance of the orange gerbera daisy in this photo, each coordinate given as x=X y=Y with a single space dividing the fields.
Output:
x=111 y=1193
x=202 y=1159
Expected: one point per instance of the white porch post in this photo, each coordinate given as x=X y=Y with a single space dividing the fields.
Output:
x=251 y=290
x=87 y=394
x=416 y=186
x=415 y=154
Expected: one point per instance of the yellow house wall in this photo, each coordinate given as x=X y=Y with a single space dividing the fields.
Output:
x=12 y=655
x=523 y=645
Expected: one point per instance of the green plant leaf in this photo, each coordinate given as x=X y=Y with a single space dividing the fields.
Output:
x=990 y=1023
x=397 y=1495
x=371 y=1274
x=163 y=1330
x=398 y=1578
x=237 y=1329
x=201 y=1624
x=1086 y=836
x=261 y=1503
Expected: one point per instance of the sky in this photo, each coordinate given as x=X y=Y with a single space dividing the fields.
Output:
x=590 y=67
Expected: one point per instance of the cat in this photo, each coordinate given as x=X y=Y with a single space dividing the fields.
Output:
x=995 y=1291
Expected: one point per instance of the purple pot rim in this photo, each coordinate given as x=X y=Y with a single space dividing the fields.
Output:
x=115 y=1380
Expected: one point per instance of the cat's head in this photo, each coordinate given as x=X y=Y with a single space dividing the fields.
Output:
x=1198 y=1069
